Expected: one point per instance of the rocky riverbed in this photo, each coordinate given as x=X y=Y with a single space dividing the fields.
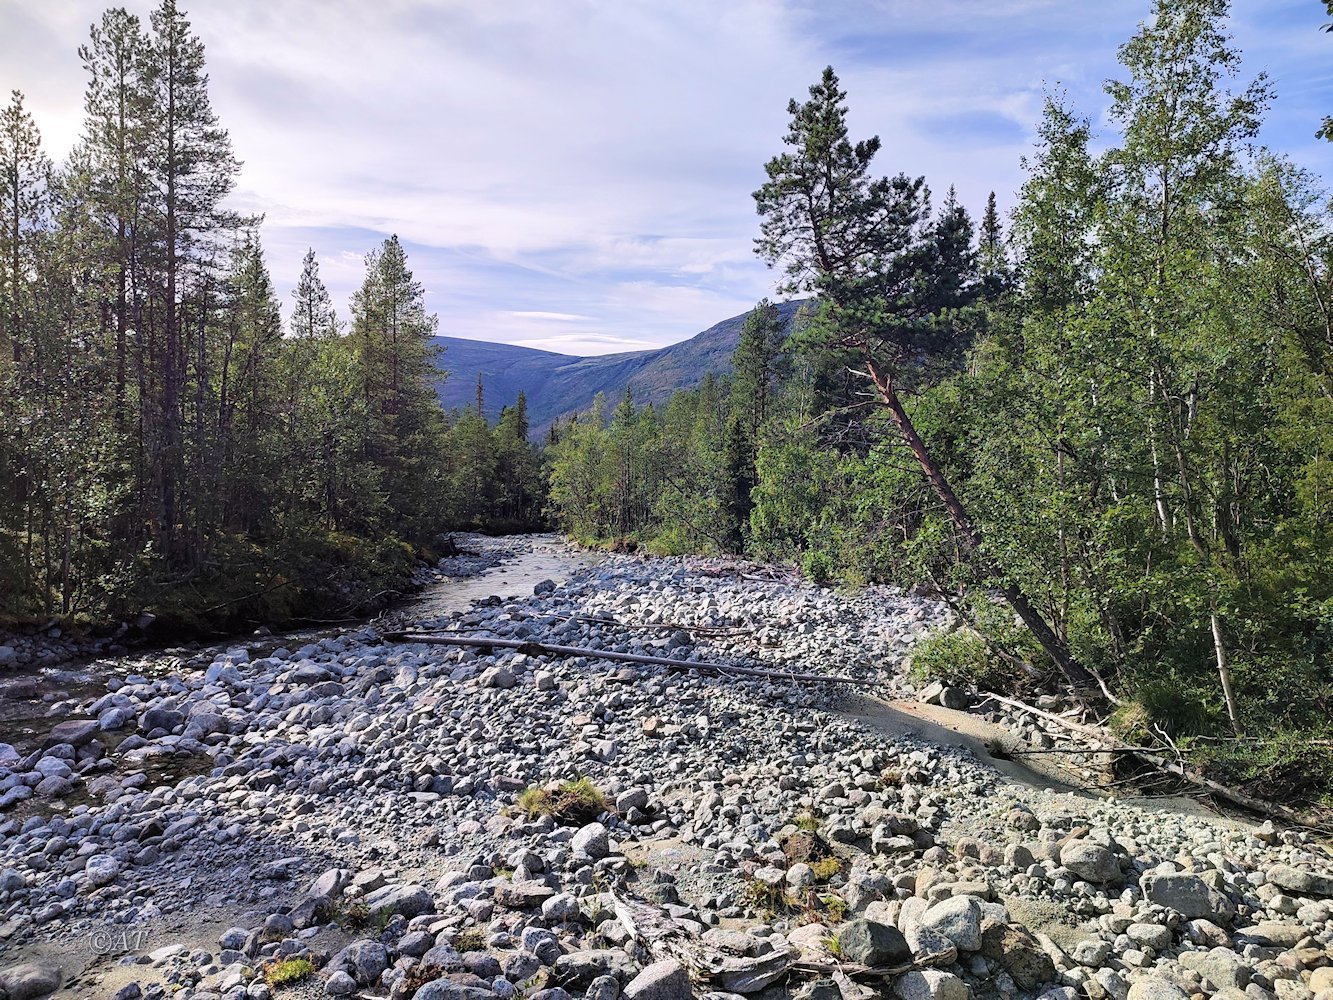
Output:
x=374 y=818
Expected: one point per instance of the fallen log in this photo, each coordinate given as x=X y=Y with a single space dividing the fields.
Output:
x=1261 y=806
x=550 y=649
x=664 y=626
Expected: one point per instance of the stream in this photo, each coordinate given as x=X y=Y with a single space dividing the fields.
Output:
x=32 y=700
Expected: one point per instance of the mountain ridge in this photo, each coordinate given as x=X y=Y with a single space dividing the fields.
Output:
x=557 y=385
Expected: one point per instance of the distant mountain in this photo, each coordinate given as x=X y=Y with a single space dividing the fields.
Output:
x=560 y=384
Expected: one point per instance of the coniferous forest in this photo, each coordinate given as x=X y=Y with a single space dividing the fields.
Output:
x=163 y=442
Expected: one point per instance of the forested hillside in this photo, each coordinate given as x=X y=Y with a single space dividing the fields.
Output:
x=1101 y=429
x=558 y=385
x=163 y=445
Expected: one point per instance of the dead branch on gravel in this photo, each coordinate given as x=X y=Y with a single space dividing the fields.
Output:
x=548 y=649
x=1177 y=769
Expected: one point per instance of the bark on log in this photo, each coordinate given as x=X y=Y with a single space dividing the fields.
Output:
x=549 y=649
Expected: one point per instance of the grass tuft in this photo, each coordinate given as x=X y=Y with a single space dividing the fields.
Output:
x=578 y=801
x=286 y=971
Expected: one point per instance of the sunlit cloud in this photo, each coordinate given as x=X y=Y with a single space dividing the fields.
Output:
x=577 y=176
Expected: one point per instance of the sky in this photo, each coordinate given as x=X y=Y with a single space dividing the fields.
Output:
x=576 y=175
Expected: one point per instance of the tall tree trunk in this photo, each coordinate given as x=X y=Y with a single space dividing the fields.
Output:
x=1077 y=675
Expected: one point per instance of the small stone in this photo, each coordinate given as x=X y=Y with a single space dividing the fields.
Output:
x=497 y=677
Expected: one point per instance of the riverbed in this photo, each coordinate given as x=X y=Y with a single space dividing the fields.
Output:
x=249 y=800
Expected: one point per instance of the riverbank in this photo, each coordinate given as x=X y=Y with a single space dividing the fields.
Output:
x=376 y=808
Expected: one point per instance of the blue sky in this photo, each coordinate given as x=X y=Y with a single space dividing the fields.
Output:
x=575 y=175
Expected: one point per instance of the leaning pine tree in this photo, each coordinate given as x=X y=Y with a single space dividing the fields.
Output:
x=888 y=280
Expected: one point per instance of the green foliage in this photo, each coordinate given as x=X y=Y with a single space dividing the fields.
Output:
x=958 y=657
x=286 y=971
x=826 y=868
x=162 y=444
x=353 y=916
x=571 y=803
x=472 y=939
x=1127 y=395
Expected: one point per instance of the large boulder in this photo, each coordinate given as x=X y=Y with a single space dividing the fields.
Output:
x=867 y=942
x=931 y=984
x=409 y=900
x=101 y=870
x=1152 y=988
x=166 y=719
x=75 y=732
x=959 y=919
x=364 y=960
x=1090 y=862
x=665 y=980
x=1189 y=896
x=447 y=989
x=29 y=981
x=593 y=840
x=1020 y=954
x=1302 y=883
x=580 y=968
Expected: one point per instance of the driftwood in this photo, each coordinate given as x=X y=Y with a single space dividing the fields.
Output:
x=852 y=969
x=1261 y=806
x=652 y=928
x=550 y=649
x=664 y=626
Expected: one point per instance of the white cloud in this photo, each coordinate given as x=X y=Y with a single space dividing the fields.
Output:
x=589 y=163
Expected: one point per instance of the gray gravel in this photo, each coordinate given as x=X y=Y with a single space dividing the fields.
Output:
x=355 y=803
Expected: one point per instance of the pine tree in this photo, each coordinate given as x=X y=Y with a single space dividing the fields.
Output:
x=26 y=366
x=404 y=426
x=992 y=254
x=757 y=365
x=116 y=124
x=190 y=160
x=861 y=245
x=25 y=177
x=250 y=393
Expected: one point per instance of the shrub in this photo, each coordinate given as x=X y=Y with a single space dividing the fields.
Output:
x=285 y=971
x=472 y=939
x=825 y=868
x=578 y=801
x=952 y=657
